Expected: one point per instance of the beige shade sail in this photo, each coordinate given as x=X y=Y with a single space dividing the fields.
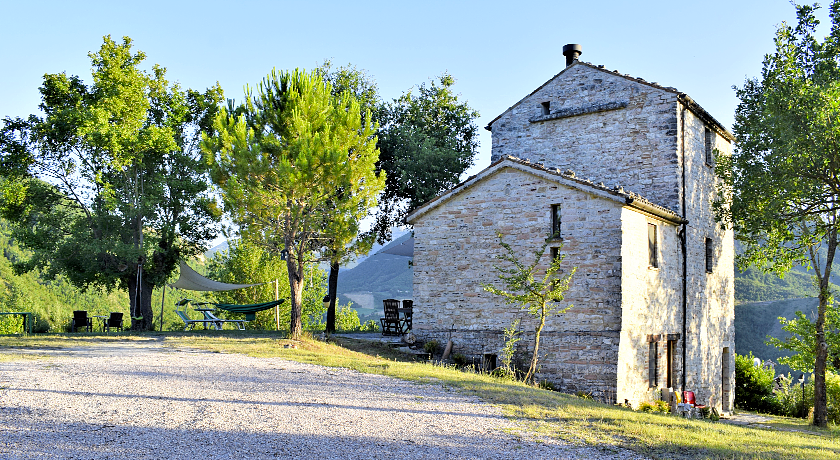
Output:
x=192 y=281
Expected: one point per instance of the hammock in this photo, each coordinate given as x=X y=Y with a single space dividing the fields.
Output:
x=192 y=281
x=250 y=310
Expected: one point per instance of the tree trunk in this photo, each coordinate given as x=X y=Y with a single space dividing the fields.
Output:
x=820 y=399
x=529 y=377
x=144 y=307
x=296 y=288
x=332 y=291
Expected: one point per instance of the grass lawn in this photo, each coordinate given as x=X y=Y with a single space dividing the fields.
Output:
x=565 y=416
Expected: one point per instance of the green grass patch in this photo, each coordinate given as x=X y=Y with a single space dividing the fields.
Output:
x=546 y=412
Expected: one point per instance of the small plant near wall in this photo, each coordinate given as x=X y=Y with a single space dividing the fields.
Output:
x=659 y=406
x=431 y=347
x=539 y=297
x=645 y=406
x=511 y=335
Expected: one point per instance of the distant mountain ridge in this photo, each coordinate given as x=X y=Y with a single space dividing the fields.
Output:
x=375 y=278
x=755 y=321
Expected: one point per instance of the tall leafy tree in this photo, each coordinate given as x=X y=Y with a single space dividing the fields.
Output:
x=426 y=142
x=108 y=187
x=346 y=240
x=280 y=161
x=780 y=189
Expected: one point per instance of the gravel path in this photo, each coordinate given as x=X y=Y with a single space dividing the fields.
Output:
x=145 y=401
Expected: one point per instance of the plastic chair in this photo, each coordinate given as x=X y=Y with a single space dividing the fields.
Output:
x=688 y=398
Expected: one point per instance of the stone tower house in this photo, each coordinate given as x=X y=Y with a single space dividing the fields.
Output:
x=623 y=170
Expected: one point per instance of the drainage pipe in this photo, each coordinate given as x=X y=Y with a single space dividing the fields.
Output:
x=683 y=243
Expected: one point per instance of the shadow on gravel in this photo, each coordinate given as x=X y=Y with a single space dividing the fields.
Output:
x=250 y=402
x=51 y=439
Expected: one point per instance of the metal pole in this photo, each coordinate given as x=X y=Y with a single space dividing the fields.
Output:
x=804 y=415
x=277 y=307
x=162 y=299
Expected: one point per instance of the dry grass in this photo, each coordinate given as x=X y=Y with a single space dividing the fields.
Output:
x=556 y=414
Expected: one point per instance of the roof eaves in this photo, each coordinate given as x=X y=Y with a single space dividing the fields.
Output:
x=705 y=116
x=616 y=193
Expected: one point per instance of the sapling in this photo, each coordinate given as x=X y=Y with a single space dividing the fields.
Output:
x=511 y=337
x=540 y=298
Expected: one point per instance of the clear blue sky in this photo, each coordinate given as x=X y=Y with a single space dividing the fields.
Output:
x=497 y=51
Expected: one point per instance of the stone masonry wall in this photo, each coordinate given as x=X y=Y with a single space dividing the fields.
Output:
x=455 y=250
x=710 y=306
x=651 y=306
x=625 y=132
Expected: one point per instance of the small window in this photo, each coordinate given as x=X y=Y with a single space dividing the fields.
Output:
x=546 y=107
x=555 y=254
x=710 y=255
x=653 y=367
x=556 y=220
x=710 y=146
x=653 y=247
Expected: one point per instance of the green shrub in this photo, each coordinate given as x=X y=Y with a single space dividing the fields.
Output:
x=503 y=373
x=39 y=324
x=459 y=359
x=661 y=406
x=509 y=348
x=431 y=347
x=645 y=406
x=370 y=326
x=11 y=324
x=347 y=319
x=753 y=386
x=832 y=391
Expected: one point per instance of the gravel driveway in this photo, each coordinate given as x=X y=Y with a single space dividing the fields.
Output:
x=141 y=400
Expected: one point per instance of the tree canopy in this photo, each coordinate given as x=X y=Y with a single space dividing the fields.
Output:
x=295 y=166
x=107 y=187
x=426 y=142
x=780 y=189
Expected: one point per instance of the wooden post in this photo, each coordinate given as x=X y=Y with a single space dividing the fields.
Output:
x=162 y=299
x=277 y=307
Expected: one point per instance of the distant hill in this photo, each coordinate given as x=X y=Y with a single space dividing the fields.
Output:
x=375 y=278
x=755 y=321
x=755 y=286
